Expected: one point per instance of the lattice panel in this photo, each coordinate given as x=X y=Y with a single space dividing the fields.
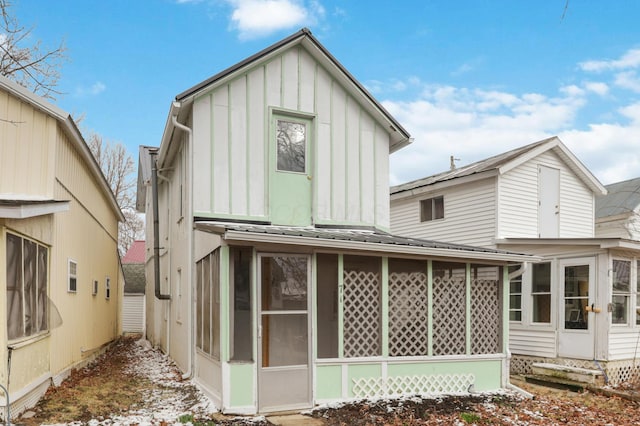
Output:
x=408 y=311
x=485 y=317
x=362 y=314
x=368 y=387
x=449 y=316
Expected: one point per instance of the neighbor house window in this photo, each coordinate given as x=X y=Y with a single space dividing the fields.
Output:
x=26 y=287
x=94 y=290
x=541 y=292
x=208 y=304
x=621 y=291
x=431 y=209
x=107 y=287
x=73 y=276
x=515 y=296
x=291 y=140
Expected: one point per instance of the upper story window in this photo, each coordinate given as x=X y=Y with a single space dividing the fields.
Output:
x=432 y=209
x=291 y=137
x=27 y=300
x=621 y=291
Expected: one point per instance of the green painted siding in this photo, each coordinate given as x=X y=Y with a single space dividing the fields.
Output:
x=328 y=382
x=241 y=379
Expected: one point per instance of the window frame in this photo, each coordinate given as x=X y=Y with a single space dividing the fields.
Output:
x=429 y=210
x=517 y=279
x=293 y=119
x=627 y=295
x=94 y=289
x=72 y=277
x=107 y=288
x=533 y=294
x=39 y=304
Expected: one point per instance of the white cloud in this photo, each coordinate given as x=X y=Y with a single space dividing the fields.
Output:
x=628 y=80
x=598 y=88
x=631 y=59
x=256 y=18
x=93 y=90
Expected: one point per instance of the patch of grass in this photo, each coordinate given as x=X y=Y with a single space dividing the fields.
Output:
x=470 y=417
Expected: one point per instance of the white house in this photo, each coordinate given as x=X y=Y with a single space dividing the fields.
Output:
x=272 y=278
x=578 y=305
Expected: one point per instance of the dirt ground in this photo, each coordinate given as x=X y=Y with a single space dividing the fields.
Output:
x=133 y=384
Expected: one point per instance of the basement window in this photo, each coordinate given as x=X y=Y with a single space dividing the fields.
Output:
x=432 y=209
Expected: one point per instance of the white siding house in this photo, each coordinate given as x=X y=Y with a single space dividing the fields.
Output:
x=578 y=305
x=268 y=215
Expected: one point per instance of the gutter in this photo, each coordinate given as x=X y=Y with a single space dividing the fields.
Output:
x=175 y=107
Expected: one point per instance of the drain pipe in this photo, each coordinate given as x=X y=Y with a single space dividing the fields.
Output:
x=521 y=270
x=174 y=119
x=156 y=231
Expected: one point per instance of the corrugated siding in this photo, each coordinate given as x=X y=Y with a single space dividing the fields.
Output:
x=624 y=344
x=231 y=138
x=27 y=149
x=519 y=201
x=532 y=342
x=133 y=308
x=469 y=215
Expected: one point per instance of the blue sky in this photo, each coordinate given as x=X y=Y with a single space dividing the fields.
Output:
x=465 y=78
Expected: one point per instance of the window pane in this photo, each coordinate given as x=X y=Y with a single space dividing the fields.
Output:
x=284 y=283
x=621 y=276
x=284 y=340
x=215 y=304
x=542 y=308
x=541 y=278
x=242 y=348
x=327 y=305
x=30 y=286
x=638 y=309
x=515 y=316
x=42 y=303
x=619 y=312
x=426 y=211
x=14 y=287
x=291 y=140
x=199 y=301
x=438 y=208
x=515 y=301
x=206 y=304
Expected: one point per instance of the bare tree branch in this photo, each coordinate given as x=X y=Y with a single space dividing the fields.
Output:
x=31 y=66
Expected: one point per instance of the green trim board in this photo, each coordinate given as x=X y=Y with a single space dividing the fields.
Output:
x=467 y=298
x=340 y=305
x=385 y=306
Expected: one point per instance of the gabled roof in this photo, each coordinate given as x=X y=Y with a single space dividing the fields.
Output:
x=135 y=254
x=399 y=136
x=71 y=130
x=502 y=163
x=623 y=198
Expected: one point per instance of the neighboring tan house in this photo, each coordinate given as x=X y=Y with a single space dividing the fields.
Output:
x=577 y=306
x=133 y=302
x=58 y=237
x=272 y=279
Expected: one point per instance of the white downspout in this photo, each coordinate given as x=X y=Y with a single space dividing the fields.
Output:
x=174 y=119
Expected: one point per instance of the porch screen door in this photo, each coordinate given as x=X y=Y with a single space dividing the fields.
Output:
x=283 y=346
x=576 y=328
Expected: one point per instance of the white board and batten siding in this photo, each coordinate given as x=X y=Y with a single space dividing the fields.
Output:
x=518 y=201
x=350 y=150
x=469 y=215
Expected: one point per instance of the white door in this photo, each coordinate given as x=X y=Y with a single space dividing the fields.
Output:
x=284 y=376
x=548 y=202
x=577 y=297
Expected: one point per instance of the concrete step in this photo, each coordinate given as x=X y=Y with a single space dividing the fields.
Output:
x=567 y=374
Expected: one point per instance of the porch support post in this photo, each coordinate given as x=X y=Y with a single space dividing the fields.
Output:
x=468 y=309
x=505 y=309
x=430 y=307
x=224 y=304
x=385 y=306
x=314 y=311
x=341 y=306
